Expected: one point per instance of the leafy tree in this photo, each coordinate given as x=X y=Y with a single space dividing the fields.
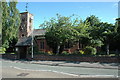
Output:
x=58 y=32
x=93 y=31
x=115 y=44
x=83 y=27
x=0 y=24
x=93 y=20
x=107 y=34
x=100 y=33
x=10 y=22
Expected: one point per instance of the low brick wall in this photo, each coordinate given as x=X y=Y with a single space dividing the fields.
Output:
x=104 y=59
x=76 y=58
x=9 y=56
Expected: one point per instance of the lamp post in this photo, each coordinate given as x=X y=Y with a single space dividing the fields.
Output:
x=32 y=37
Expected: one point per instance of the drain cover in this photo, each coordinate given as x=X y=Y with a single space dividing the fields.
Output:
x=23 y=74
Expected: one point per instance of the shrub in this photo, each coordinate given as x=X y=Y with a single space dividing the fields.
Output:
x=41 y=52
x=2 y=50
x=82 y=52
x=90 y=50
x=12 y=53
x=65 y=53
x=50 y=53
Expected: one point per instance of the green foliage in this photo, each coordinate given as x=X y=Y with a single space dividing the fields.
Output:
x=41 y=53
x=59 y=31
x=81 y=52
x=0 y=21
x=2 y=50
x=10 y=22
x=91 y=33
x=93 y=20
x=95 y=43
x=50 y=53
x=65 y=53
x=90 y=50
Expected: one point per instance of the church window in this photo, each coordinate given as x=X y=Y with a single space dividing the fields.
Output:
x=42 y=45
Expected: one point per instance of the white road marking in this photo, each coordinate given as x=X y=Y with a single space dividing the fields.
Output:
x=45 y=70
x=83 y=76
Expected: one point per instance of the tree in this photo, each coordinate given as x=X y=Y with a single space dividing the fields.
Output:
x=116 y=39
x=93 y=20
x=0 y=24
x=101 y=32
x=92 y=40
x=107 y=34
x=58 y=32
x=10 y=22
x=82 y=27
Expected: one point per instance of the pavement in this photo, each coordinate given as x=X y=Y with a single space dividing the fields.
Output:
x=71 y=64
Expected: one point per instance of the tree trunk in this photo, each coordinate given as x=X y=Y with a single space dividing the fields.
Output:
x=58 y=49
x=61 y=49
x=107 y=49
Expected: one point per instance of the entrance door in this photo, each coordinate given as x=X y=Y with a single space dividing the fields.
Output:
x=23 y=52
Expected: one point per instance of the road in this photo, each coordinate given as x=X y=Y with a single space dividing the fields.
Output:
x=26 y=70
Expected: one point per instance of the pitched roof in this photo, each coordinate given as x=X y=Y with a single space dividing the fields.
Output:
x=38 y=32
x=25 y=41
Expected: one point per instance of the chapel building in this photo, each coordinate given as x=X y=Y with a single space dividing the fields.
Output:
x=28 y=36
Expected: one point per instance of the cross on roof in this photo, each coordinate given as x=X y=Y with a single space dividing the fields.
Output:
x=26 y=6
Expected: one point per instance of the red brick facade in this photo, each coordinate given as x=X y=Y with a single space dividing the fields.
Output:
x=46 y=47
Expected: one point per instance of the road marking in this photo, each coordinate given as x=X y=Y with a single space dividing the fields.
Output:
x=98 y=76
x=82 y=76
x=23 y=74
x=45 y=70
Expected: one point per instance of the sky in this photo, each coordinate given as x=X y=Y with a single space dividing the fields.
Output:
x=105 y=11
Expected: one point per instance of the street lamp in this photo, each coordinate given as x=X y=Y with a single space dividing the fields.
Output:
x=32 y=37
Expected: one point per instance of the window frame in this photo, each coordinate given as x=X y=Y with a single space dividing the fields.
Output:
x=42 y=45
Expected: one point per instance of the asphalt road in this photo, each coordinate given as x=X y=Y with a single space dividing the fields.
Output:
x=23 y=70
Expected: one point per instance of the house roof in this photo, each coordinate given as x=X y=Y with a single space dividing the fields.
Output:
x=38 y=32
x=25 y=41
x=25 y=12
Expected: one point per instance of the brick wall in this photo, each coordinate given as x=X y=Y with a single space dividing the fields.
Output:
x=66 y=58
x=76 y=58
x=9 y=56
